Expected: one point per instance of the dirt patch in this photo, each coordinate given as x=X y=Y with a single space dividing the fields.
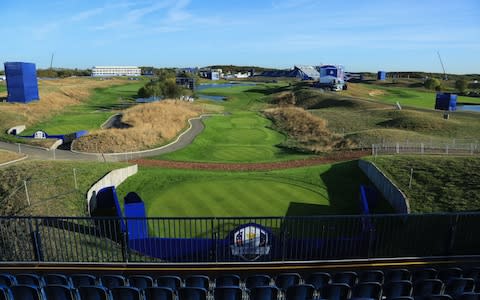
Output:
x=374 y=93
x=317 y=160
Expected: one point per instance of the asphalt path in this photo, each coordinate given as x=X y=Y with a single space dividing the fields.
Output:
x=183 y=140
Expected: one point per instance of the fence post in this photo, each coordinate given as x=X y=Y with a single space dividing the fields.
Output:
x=453 y=231
x=75 y=178
x=471 y=149
x=26 y=192
x=446 y=149
x=422 y=148
x=373 y=149
x=125 y=246
x=19 y=149
x=398 y=148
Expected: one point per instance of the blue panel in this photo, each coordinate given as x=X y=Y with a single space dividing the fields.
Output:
x=381 y=75
x=22 y=82
x=446 y=101
x=135 y=213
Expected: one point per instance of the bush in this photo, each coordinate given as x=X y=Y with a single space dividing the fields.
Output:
x=433 y=84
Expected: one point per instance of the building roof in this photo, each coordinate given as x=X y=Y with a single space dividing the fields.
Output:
x=309 y=71
x=114 y=67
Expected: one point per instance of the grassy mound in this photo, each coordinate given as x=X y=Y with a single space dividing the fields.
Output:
x=416 y=121
x=6 y=156
x=304 y=131
x=150 y=124
x=439 y=184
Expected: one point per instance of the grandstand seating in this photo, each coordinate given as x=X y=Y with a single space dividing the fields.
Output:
x=377 y=284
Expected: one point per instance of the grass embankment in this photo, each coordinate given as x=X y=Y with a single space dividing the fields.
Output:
x=242 y=135
x=389 y=93
x=325 y=189
x=51 y=187
x=439 y=184
x=147 y=125
x=366 y=122
x=6 y=156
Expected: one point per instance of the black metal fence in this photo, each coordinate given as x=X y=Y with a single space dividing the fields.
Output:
x=69 y=239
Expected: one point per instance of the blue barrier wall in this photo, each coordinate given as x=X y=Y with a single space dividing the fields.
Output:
x=66 y=138
x=22 y=85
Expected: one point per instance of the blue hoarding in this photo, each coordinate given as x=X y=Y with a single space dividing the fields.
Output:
x=22 y=85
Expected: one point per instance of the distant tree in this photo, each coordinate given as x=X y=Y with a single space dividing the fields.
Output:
x=171 y=89
x=461 y=85
x=433 y=84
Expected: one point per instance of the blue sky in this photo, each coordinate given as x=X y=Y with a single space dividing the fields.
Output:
x=364 y=35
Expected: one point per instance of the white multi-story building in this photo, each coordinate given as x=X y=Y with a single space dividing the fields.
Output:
x=115 y=71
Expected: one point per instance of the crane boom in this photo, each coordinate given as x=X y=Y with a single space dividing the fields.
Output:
x=443 y=67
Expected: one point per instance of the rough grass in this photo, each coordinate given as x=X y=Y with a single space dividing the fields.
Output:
x=56 y=96
x=391 y=93
x=439 y=184
x=325 y=189
x=50 y=185
x=152 y=124
x=305 y=131
x=6 y=156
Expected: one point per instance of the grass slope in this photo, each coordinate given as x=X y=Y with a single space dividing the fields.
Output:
x=90 y=114
x=326 y=189
x=392 y=94
x=243 y=135
x=50 y=185
x=6 y=156
x=439 y=184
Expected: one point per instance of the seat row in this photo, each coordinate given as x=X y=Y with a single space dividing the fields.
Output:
x=338 y=291
x=282 y=280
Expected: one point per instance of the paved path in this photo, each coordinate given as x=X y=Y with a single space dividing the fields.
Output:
x=183 y=140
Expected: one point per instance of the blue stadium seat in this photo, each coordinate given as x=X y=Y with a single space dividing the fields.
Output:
x=159 y=293
x=435 y=297
x=140 y=281
x=397 y=275
x=448 y=273
x=470 y=296
x=257 y=280
x=427 y=287
x=83 y=280
x=126 y=293
x=27 y=292
x=472 y=273
x=336 y=291
x=7 y=280
x=457 y=286
x=227 y=280
x=371 y=290
x=426 y=273
x=285 y=280
x=401 y=298
x=227 y=293
x=30 y=279
x=397 y=289
x=300 y=292
x=94 y=292
x=371 y=276
x=57 y=279
x=264 y=293
x=347 y=277
x=113 y=281
x=192 y=293
x=199 y=281
x=60 y=292
x=5 y=293
x=319 y=280
x=173 y=282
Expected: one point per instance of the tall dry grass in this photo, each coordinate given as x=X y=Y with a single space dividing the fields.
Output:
x=55 y=97
x=153 y=124
x=305 y=131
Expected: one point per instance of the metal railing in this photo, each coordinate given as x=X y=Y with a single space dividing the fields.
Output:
x=69 y=239
x=450 y=148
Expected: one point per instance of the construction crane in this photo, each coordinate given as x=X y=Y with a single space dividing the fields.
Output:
x=443 y=67
x=51 y=62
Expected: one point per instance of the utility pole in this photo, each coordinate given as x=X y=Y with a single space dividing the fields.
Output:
x=51 y=61
x=443 y=67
